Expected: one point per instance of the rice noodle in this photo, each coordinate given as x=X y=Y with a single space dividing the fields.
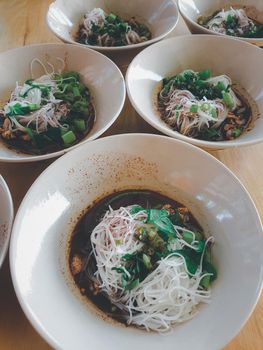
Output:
x=168 y=295
x=176 y=108
x=46 y=115
x=187 y=121
x=116 y=226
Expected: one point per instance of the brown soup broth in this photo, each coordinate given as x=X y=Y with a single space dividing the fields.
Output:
x=80 y=244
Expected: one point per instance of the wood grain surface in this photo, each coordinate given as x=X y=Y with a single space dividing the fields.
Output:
x=22 y=22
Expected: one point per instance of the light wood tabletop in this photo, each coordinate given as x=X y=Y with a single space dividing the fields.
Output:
x=22 y=22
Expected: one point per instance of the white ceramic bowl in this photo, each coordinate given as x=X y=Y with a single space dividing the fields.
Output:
x=192 y=9
x=161 y=16
x=6 y=218
x=49 y=212
x=99 y=73
x=222 y=55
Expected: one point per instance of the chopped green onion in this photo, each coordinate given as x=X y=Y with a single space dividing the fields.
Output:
x=221 y=86
x=205 y=74
x=205 y=107
x=236 y=132
x=111 y=18
x=68 y=138
x=80 y=124
x=117 y=242
x=213 y=113
x=228 y=100
x=76 y=91
x=194 y=108
x=147 y=261
x=205 y=281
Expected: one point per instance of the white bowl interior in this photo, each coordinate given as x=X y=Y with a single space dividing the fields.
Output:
x=63 y=16
x=39 y=263
x=196 y=52
x=192 y=9
x=6 y=218
x=97 y=72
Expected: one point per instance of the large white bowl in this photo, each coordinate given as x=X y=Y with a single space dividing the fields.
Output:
x=64 y=16
x=6 y=218
x=98 y=72
x=222 y=55
x=51 y=208
x=192 y=9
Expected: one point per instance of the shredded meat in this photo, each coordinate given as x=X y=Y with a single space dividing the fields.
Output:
x=76 y=265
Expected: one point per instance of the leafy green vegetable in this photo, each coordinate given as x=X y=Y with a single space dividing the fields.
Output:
x=211 y=134
x=199 y=246
x=136 y=209
x=188 y=237
x=133 y=284
x=160 y=218
x=119 y=269
x=176 y=218
x=207 y=266
x=158 y=235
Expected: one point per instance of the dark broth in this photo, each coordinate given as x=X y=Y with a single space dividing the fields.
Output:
x=80 y=242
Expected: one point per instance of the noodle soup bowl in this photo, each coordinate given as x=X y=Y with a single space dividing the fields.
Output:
x=220 y=55
x=161 y=17
x=60 y=197
x=191 y=10
x=6 y=218
x=97 y=72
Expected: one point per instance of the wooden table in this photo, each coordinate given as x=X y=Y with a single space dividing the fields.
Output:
x=22 y=22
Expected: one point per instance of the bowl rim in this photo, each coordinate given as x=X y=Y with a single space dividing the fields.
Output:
x=35 y=158
x=10 y=206
x=116 y=48
x=208 y=31
x=212 y=145
x=42 y=331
